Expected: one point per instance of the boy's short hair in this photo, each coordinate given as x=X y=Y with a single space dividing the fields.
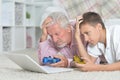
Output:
x=92 y=18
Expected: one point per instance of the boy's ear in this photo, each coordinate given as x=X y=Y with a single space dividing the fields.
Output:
x=99 y=26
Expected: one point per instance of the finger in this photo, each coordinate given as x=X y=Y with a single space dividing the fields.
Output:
x=78 y=18
x=85 y=59
x=79 y=65
x=72 y=64
x=58 y=64
x=43 y=28
x=62 y=60
x=59 y=56
x=77 y=24
x=47 y=20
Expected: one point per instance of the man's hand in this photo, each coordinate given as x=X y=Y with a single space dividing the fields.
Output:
x=44 y=30
x=44 y=34
x=62 y=63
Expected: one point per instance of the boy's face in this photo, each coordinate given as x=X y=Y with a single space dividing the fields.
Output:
x=90 y=33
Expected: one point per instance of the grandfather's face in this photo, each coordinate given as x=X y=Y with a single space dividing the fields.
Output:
x=59 y=35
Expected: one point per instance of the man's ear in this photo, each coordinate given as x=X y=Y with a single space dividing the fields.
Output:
x=68 y=28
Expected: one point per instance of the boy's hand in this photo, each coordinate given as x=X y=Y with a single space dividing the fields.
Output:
x=77 y=29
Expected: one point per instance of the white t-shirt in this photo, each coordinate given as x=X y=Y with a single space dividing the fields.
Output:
x=112 y=50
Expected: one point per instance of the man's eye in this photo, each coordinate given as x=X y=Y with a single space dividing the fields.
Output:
x=56 y=34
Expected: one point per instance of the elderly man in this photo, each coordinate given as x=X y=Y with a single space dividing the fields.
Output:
x=57 y=39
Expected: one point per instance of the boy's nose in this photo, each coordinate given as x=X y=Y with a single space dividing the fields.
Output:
x=86 y=39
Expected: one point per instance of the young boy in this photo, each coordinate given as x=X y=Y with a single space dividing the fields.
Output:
x=102 y=41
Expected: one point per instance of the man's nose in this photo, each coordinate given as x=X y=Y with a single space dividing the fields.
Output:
x=55 y=38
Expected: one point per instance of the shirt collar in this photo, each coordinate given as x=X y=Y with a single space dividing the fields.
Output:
x=73 y=37
x=107 y=38
x=101 y=45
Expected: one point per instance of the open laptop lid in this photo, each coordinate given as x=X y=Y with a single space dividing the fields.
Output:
x=27 y=63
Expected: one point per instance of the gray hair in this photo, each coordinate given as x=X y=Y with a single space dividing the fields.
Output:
x=59 y=18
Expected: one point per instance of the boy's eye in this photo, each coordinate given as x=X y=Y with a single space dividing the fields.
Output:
x=87 y=33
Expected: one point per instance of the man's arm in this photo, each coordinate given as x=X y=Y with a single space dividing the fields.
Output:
x=47 y=49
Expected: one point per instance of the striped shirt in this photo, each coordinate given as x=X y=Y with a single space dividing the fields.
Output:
x=47 y=48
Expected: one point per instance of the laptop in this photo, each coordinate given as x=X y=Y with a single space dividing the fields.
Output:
x=27 y=63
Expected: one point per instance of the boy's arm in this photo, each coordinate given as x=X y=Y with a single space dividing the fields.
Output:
x=82 y=51
x=99 y=67
x=112 y=67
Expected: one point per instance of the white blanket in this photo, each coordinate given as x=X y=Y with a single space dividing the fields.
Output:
x=10 y=71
